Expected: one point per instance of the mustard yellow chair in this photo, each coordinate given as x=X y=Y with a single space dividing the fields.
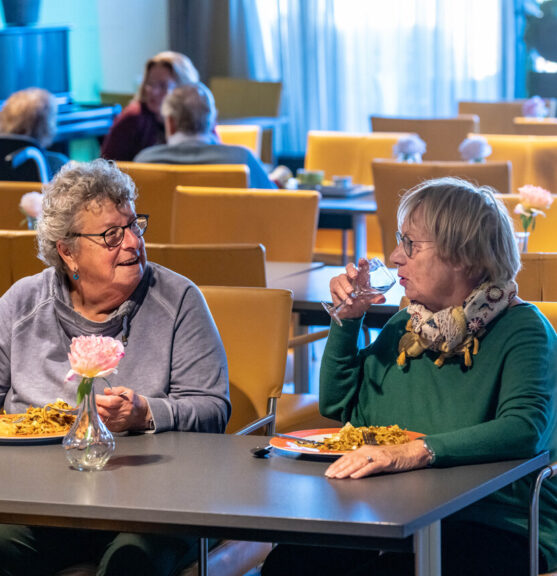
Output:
x=535 y=126
x=544 y=161
x=18 y=256
x=537 y=279
x=544 y=237
x=441 y=135
x=348 y=154
x=156 y=184
x=393 y=178
x=283 y=221
x=248 y=136
x=213 y=264
x=11 y=217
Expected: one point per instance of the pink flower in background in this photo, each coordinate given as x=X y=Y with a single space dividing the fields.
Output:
x=532 y=200
x=534 y=107
x=474 y=149
x=94 y=356
x=408 y=146
x=31 y=204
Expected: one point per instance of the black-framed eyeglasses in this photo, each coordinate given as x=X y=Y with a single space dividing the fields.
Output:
x=114 y=236
x=407 y=244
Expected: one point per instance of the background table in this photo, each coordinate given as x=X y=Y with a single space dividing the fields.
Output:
x=211 y=485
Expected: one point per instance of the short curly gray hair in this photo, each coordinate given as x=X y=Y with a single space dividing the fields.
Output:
x=469 y=225
x=72 y=190
x=192 y=108
x=30 y=112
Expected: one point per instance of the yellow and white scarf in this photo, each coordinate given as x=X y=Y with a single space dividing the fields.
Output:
x=455 y=330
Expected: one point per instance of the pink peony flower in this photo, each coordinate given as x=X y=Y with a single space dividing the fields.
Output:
x=474 y=149
x=534 y=107
x=31 y=204
x=408 y=146
x=532 y=200
x=94 y=356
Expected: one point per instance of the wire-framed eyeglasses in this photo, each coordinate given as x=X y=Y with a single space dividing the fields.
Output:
x=407 y=244
x=114 y=236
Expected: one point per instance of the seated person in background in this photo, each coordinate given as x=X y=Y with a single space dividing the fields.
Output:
x=467 y=363
x=32 y=112
x=173 y=374
x=189 y=118
x=140 y=124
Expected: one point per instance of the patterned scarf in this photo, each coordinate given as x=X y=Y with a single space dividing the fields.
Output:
x=457 y=329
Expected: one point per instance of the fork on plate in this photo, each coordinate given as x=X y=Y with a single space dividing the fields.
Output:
x=369 y=437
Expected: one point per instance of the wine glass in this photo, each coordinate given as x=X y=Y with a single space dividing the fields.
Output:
x=378 y=280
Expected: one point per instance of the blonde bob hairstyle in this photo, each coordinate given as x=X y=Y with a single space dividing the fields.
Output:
x=469 y=226
x=179 y=65
x=31 y=112
x=73 y=189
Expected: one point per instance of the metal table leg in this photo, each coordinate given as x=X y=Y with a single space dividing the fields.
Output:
x=427 y=550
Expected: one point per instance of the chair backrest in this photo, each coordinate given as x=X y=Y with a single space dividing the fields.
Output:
x=495 y=117
x=284 y=221
x=543 y=238
x=537 y=279
x=348 y=153
x=254 y=325
x=441 y=135
x=393 y=178
x=122 y=98
x=237 y=97
x=549 y=310
x=22 y=159
x=18 y=256
x=245 y=135
x=11 y=217
x=156 y=184
x=535 y=126
x=213 y=264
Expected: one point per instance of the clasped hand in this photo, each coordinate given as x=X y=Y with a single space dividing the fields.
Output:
x=121 y=409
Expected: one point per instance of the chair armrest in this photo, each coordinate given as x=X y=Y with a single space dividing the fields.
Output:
x=18 y=157
x=307 y=338
x=255 y=425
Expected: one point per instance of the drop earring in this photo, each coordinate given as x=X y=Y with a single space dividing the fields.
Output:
x=75 y=274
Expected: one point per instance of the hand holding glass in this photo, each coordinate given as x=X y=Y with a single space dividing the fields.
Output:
x=378 y=280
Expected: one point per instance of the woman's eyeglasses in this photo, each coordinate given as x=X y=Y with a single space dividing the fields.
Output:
x=114 y=236
x=407 y=244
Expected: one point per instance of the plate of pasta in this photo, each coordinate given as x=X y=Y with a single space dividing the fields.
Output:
x=339 y=441
x=47 y=424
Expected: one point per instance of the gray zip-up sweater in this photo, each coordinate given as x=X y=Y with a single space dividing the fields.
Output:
x=173 y=356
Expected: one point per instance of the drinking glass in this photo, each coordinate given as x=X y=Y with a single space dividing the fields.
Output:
x=377 y=281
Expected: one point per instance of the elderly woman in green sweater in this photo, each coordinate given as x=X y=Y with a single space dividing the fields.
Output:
x=467 y=363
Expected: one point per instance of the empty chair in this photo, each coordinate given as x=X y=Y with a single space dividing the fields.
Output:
x=393 y=178
x=537 y=279
x=495 y=117
x=535 y=126
x=543 y=238
x=441 y=135
x=248 y=136
x=156 y=184
x=18 y=256
x=283 y=221
x=213 y=264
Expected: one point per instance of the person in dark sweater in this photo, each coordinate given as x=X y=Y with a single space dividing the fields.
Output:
x=190 y=116
x=467 y=364
x=140 y=124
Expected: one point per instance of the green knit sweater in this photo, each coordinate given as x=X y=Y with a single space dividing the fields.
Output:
x=503 y=407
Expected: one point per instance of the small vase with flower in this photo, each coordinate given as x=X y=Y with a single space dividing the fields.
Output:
x=89 y=444
x=31 y=204
x=532 y=200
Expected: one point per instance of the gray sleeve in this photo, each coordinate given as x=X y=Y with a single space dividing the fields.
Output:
x=5 y=344
x=198 y=398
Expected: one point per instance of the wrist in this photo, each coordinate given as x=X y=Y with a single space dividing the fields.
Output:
x=430 y=452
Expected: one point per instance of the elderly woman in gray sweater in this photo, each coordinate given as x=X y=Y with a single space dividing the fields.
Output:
x=173 y=374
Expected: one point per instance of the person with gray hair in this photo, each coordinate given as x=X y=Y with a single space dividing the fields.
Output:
x=190 y=117
x=32 y=112
x=140 y=124
x=173 y=375
x=467 y=365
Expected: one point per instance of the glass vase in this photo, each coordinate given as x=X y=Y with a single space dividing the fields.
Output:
x=413 y=158
x=31 y=223
x=89 y=444
x=522 y=241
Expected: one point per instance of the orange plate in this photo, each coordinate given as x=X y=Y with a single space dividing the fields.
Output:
x=30 y=438
x=286 y=445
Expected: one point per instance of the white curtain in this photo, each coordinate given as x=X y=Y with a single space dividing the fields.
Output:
x=342 y=60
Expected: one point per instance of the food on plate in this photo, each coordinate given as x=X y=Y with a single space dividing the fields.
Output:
x=350 y=437
x=48 y=420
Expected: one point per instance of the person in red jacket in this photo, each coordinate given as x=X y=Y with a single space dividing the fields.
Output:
x=140 y=124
